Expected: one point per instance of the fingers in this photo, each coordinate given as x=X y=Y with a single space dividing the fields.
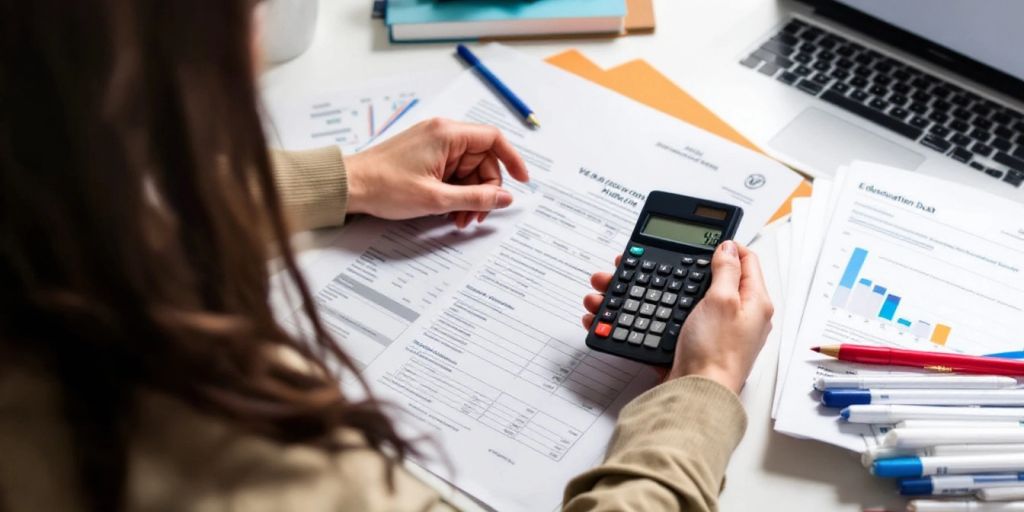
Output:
x=725 y=270
x=471 y=198
x=752 y=284
x=588 y=320
x=482 y=139
x=600 y=281
x=592 y=302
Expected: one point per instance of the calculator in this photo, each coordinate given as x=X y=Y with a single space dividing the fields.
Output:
x=665 y=270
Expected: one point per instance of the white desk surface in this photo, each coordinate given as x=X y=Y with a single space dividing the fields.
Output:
x=769 y=471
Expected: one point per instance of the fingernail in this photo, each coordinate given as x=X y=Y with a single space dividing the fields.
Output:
x=729 y=247
x=503 y=200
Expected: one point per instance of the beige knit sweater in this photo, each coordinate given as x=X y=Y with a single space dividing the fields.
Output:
x=669 y=451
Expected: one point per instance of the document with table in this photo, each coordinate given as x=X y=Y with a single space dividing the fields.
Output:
x=476 y=334
x=911 y=262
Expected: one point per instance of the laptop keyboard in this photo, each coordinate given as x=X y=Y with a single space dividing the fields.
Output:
x=986 y=136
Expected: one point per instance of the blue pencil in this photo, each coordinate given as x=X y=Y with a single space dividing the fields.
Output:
x=523 y=110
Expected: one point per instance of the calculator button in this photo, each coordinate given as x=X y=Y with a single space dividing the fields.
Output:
x=631 y=261
x=679 y=315
x=658 y=327
x=647 y=309
x=697 y=275
x=631 y=306
x=691 y=288
x=641 y=324
x=648 y=265
x=658 y=281
x=626 y=275
x=664 y=269
x=637 y=292
x=620 y=334
x=675 y=285
x=653 y=295
x=702 y=262
x=608 y=315
x=663 y=313
x=626 y=320
x=635 y=338
x=603 y=329
x=685 y=302
x=686 y=260
x=636 y=251
x=673 y=331
x=669 y=299
x=679 y=273
x=670 y=341
x=652 y=341
x=614 y=303
x=643 y=278
x=619 y=288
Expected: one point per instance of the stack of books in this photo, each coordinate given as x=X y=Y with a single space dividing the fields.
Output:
x=438 y=20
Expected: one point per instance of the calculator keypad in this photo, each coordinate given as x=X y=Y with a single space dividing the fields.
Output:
x=649 y=300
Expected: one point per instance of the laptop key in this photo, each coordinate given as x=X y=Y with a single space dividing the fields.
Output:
x=959 y=126
x=1014 y=178
x=981 y=149
x=751 y=62
x=803 y=70
x=769 y=68
x=935 y=142
x=960 y=139
x=859 y=95
x=977 y=166
x=809 y=86
x=878 y=104
x=918 y=108
x=822 y=78
x=788 y=78
x=840 y=87
x=995 y=173
x=1001 y=144
x=961 y=155
x=871 y=114
x=899 y=113
x=980 y=135
x=939 y=130
x=919 y=122
x=1009 y=161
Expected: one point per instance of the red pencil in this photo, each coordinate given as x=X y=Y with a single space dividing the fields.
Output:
x=935 y=361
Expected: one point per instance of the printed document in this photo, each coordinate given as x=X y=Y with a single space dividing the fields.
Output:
x=910 y=262
x=476 y=335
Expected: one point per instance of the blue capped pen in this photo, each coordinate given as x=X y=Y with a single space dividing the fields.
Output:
x=499 y=86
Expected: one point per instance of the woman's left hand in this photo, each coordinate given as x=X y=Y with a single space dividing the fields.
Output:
x=436 y=167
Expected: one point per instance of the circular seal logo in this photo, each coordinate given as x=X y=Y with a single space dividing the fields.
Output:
x=755 y=181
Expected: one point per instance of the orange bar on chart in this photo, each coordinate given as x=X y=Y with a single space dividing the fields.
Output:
x=940 y=334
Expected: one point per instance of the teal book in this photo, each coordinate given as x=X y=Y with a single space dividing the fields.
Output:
x=431 y=20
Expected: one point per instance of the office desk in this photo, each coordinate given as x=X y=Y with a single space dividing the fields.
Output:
x=769 y=471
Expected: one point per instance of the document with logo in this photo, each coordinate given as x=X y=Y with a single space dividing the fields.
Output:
x=476 y=335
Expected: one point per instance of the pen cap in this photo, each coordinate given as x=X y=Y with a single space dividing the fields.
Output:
x=845 y=397
x=916 y=487
x=897 y=468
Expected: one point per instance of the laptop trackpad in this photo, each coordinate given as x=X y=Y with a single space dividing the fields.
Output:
x=825 y=142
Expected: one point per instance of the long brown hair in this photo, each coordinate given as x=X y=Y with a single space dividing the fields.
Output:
x=137 y=204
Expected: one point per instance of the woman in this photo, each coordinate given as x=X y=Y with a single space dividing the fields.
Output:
x=140 y=365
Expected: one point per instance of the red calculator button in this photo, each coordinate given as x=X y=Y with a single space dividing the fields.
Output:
x=603 y=329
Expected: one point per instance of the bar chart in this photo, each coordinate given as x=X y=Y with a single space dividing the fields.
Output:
x=862 y=296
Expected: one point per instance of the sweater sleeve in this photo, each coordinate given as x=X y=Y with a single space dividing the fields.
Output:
x=313 y=185
x=669 y=452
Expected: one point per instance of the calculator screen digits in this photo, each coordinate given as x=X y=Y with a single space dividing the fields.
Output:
x=681 y=231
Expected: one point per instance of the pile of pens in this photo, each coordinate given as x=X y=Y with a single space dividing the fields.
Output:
x=959 y=437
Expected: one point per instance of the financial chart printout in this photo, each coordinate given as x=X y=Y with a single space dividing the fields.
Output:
x=908 y=262
x=476 y=335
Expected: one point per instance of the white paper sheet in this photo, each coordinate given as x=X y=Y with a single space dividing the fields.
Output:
x=477 y=336
x=946 y=259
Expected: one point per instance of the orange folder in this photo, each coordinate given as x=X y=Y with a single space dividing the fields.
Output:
x=641 y=82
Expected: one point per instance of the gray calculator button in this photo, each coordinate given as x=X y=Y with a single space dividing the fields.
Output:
x=647 y=309
x=614 y=303
x=648 y=265
x=658 y=282
x=652 y=341
x=626 y=275
x=696 y=275
x=608 y=315
x=669 y=299
x=642 y=324
x=653 y=295
x=657 y=327
x=703 y=262
x=679 y=273
x=664 y=269
x=635 y=338
x=620 y=334
x=686 y=260
x=643 y=278
x=691 y=287
x=619 y=288
x=663 y=313
x=631 y=305
x=637 y=292
x=685 y=302
x=626 y=319
x=679 y=315
x=675 y=285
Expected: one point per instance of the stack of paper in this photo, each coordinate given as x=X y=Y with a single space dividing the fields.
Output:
x=892 y=258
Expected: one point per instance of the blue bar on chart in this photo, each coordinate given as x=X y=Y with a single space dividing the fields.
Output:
x=903 y=323
x=889 y=307
x=853 y=267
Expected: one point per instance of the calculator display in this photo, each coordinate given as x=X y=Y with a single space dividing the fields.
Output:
x=675 y=230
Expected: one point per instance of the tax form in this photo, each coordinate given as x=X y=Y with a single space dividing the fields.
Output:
x=476 y=335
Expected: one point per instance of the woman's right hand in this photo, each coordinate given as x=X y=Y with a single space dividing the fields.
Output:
x=726 y=330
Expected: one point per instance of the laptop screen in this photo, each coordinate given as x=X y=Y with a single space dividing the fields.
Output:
x=986 y=31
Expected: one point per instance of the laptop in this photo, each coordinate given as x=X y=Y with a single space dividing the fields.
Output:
x=933 y=86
